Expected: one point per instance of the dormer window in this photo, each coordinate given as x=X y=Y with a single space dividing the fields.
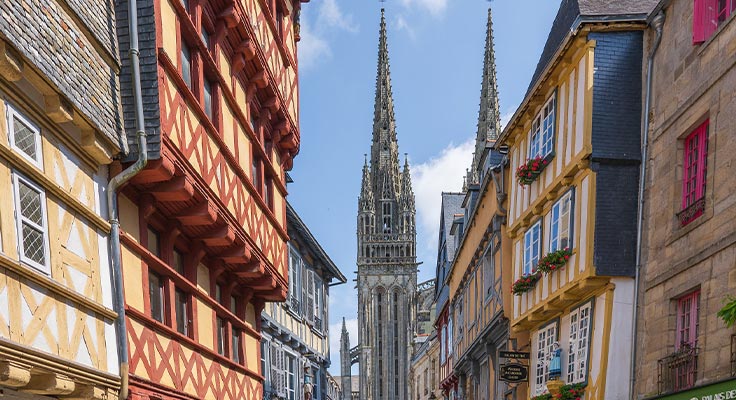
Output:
x=541 y=142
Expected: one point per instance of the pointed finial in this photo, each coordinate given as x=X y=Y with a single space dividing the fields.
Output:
x=365 y=155
x=344 y=328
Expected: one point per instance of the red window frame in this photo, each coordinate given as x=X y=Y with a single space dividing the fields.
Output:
x=694 y=171
x=708 y=15
x=688 y=309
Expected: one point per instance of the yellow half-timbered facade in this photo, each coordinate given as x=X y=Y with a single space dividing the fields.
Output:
x=574 y=153
x=57 y=335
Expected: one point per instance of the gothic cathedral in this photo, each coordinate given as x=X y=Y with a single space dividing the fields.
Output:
x=387 y=265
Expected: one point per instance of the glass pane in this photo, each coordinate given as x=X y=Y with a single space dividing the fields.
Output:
x=33 y=247
x=30 y=203
x=155 y=288
x=181 y=312
x=178 y=262
x=153 y=242
x=186 y=65
x=25 y=138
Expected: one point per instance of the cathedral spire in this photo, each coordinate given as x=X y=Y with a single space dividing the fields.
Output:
x=489 y=120
x=384 y=148
x=406 y=191
x=366 y=192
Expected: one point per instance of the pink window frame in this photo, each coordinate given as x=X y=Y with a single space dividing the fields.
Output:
x=694 y=174
x=708 y=15
x=688 y=308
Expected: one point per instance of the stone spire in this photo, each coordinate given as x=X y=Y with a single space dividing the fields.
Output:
x=407 y=193
x=366 y=198
x=489 y=120
x=385 y=147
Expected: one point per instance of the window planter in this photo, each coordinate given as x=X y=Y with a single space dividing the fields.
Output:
x=554 y=260
x=567 y=392
x=531 y=169
x=525 y=283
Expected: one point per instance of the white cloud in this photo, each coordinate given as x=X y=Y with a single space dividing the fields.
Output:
x=435 y=7
x=312 y=47
x=402 y=24
x=336 y=334
x=506 y=117
x=331 y=15
x=443 y=173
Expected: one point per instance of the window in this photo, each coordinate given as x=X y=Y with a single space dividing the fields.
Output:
x=185 y=4
x=387 y=213
x=265 y=367
x=254 y=121
x=310 y=298
x=30 y=214
x=186 y=65
x=206 y=37
x=708 y=15
x=236 y=346
x=23 y=135
x=153 y=242
x=256 y=174
x=177 y=261
x=546 y=339
x=577 y=356
x=541 y=142
x=220 y=336
x=280 y=22
x=291 y=375
x=208 y=98
x=694 y=174
x=218 y=293
x=294 y=281
x=156 y=295
x=318 y=302
x=687 y=321
x=268 y=193
x=560 y=222
x=182 y=312
x=278 y=374
x=234 y=305
x=489 y=271
x=531 y=248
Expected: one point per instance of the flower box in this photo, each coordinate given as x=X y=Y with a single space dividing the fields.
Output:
x=531 y=169
x=567 y=392
x=554 y=260
x=525 y=283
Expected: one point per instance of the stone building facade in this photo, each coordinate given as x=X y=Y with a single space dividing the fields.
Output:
x=689 y=243
x=295 y=346
x=387 y=267
x=60 y=127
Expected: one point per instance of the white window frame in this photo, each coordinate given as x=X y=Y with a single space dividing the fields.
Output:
x=531 y=245
x=291 y=376
x=581 y=324
x=556 y=216
x=542 y=135
x=318 y=300
x=546 y=337
x=20 y=220
x=10 y=112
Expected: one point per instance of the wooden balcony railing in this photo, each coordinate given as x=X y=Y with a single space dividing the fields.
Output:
x=678 y=371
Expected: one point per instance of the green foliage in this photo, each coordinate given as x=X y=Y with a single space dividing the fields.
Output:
x=728 y=312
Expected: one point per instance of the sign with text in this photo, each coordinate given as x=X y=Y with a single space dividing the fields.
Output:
x=724 y=390
x=514 y=355
x=514 y=373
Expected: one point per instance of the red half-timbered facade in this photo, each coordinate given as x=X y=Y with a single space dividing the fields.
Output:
x=204 y=224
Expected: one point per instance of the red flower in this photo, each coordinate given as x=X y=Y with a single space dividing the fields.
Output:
x=567 y=257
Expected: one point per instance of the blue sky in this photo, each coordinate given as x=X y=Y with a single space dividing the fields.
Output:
x=436 y=51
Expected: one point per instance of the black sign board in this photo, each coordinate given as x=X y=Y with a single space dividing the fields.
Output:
x=516 y=355
x=514 y=373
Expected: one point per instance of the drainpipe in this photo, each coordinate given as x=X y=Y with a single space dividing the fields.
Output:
x=112 y=199
x=657 y=24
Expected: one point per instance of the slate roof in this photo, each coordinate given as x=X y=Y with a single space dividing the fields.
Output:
x=451 y=205
x=572 y=12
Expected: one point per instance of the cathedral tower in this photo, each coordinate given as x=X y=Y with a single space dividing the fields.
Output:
x=387 y=266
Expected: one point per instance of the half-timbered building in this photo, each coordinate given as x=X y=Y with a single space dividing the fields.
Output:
x=574 y=150
x=204 y=224
x=295 y=348
x=476 y=296
x=59 y=128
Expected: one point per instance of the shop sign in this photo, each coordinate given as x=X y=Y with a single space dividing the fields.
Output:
x=717 y=391
x=514 y=373
x=515 y=355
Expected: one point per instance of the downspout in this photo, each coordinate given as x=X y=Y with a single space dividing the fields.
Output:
x=657 y=24
x=112 y=199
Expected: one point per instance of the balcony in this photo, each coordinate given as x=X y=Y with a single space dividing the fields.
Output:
x=678 y=371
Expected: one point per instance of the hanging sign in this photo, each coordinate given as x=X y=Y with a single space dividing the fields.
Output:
x=514 y=373
x=514 y=355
